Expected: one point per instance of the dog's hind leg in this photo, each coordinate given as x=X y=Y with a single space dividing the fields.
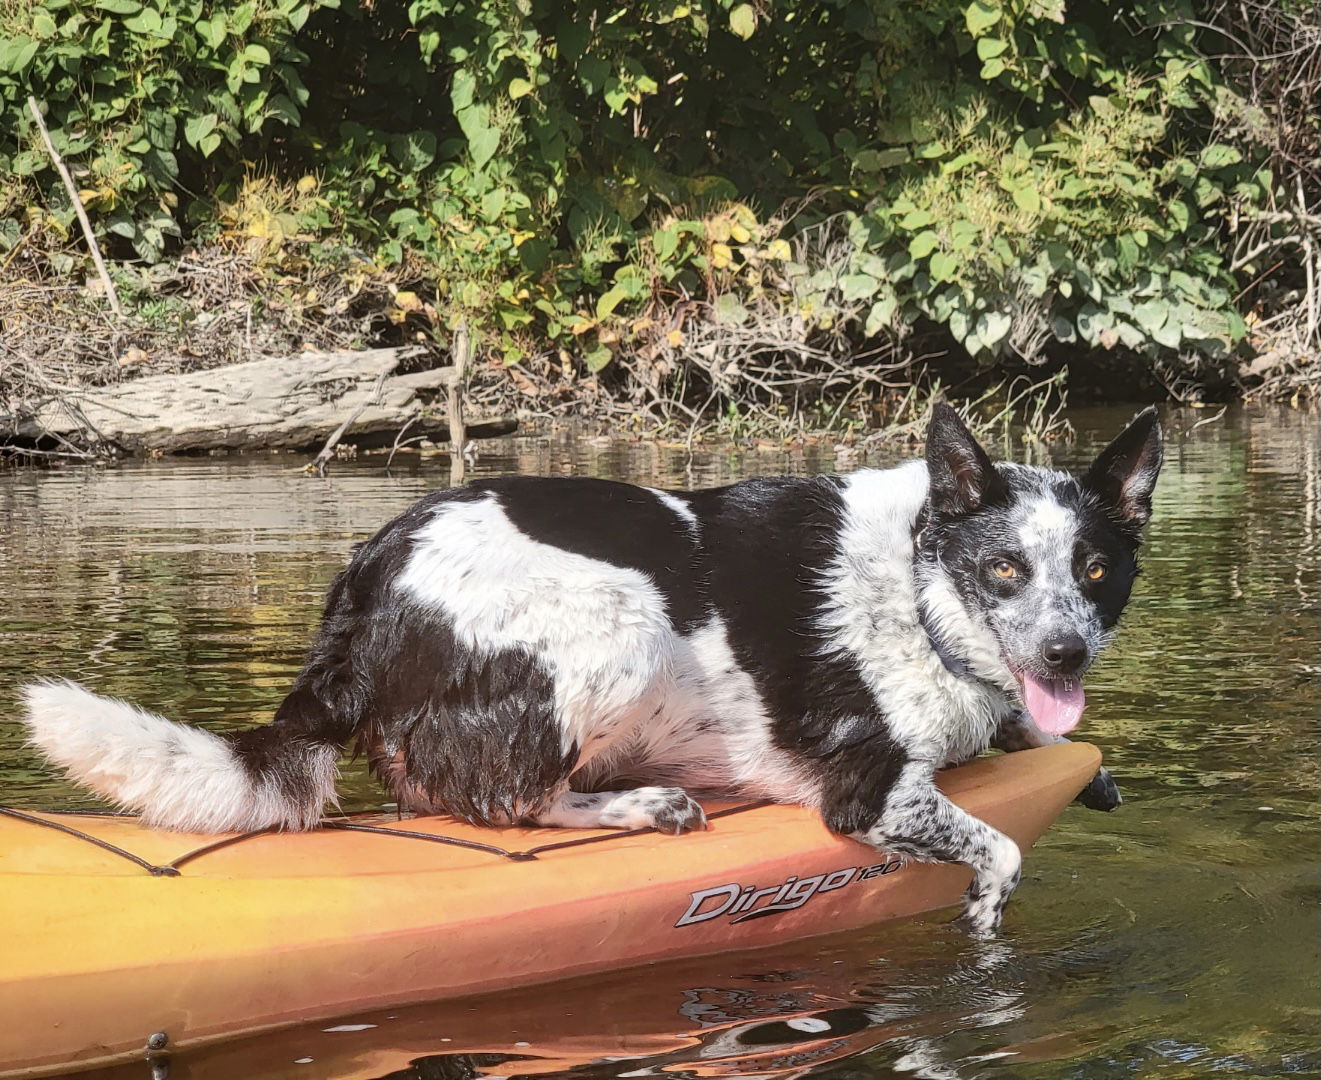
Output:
x=921 y=823
x=666 y=809
x=1020 y=733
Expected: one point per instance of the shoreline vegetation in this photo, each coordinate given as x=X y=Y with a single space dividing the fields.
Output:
x=744 y=220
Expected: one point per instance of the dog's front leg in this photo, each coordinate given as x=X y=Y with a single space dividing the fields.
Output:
x=920 y=822
x=1019 y=732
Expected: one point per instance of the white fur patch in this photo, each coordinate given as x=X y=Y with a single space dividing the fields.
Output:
x=714 y=734
x=177 y=777
x=601 y=630
x=872 y=615
x=1048 y=534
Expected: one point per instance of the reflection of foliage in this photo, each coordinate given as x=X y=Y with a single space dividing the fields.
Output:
x=1014 y=172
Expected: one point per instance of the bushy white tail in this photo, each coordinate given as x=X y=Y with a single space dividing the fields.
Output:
x=177 y=777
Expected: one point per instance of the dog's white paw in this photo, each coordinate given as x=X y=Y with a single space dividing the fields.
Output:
x=665 y=809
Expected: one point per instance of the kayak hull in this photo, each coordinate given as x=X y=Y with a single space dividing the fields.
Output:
x=282 y=928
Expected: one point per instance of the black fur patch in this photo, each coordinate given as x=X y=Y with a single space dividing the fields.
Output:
x=288 y=764
x=614 y=523
x=476 y=733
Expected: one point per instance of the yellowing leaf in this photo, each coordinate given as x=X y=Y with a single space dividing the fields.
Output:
x=740 y=234
x=721 y=256
x=743 y=21
x=778 y=249
x=306 y=185
x=675 y=338
x=407 y=301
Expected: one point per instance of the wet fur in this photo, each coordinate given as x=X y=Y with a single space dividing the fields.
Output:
x=576 y=652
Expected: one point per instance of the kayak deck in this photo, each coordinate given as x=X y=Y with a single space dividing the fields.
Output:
x=231 y=936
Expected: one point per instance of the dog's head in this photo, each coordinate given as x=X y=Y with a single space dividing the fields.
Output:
x=1041 y=560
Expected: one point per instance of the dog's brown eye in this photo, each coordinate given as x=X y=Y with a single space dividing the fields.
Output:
x=1095 y=571
x=1004 y=569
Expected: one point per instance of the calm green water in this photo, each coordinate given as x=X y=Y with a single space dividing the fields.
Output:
x=1177 y=937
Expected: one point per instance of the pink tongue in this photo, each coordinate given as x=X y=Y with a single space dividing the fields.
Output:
x=1055 y=704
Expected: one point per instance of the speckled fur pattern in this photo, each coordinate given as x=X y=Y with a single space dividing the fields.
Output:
x=584 y=653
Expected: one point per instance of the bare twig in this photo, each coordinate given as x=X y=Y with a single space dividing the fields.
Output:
x=318 y=463
x=397 y=439
x=461 y=353
x=111 y=295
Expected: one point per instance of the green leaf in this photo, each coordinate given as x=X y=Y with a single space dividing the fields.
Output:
x=1063 y=329
x=1217 y=156
x=257 y=54
x=462 y=88
x=730 y=311
x=916 y=219
x=483 y=146
x=963 y=234
x=993 y=67
x=593 y=72
x=923 y=244
x=43 y=25
x=606 y=304
x=1169 y=334
x=520 y=88
x=1152 y=315
x=242 y=17
x=119 y=7
x=876 y=160
x=281 y=108
x=992 y=327
x=196 y=128
x=148 y=21
x=944 y=266
x=597 y=357
x=743 y=21
x=213 y=32
x=989 y=47
x=28 y=162
x=981 y=15
x=1026 y=198
x=665 y=242
x=17 y=53
x=493 y=204
x=1091 y=321
x=881 y=315
x=854 y=287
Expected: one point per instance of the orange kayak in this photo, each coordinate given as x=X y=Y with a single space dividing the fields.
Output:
x=201 y=938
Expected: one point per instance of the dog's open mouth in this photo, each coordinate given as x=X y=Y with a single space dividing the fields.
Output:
x=1055 y=704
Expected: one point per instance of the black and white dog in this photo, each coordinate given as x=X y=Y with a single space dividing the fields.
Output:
x=582 y=653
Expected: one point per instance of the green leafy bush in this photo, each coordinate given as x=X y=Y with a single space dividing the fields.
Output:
x=1021 y=175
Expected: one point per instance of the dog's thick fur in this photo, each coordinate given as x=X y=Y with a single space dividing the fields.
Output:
x=580 y=653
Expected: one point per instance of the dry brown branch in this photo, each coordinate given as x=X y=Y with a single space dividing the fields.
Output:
x=90 y=236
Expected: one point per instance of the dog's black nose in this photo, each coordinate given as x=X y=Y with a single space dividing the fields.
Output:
x=1065 y=654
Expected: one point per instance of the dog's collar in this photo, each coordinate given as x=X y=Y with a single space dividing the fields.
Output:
x=955 y=665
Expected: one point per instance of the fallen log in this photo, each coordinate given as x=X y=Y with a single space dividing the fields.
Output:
x=292 y=403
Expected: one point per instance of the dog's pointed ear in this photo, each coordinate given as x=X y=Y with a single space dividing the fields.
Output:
x=1124 y=474
x=961 y=476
